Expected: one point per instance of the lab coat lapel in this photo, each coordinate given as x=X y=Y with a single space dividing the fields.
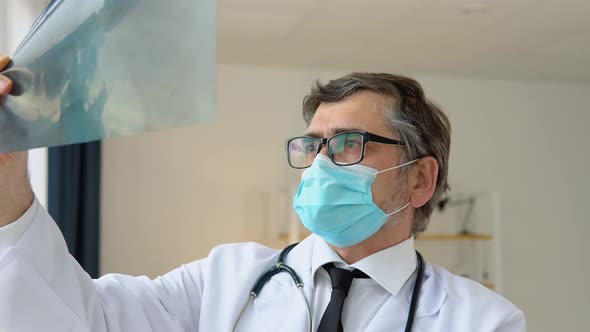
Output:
x=432 y=297
x=279 y=306
x=432 y=294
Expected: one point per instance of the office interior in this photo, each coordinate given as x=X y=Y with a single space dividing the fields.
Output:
x=513 y=77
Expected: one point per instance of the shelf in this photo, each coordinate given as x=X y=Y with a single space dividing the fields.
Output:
x=489 y=284
x=453 y=237
x=430 y=237
x=285 y=237
x=425 y=237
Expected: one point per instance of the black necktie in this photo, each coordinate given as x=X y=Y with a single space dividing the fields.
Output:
x=341 y=281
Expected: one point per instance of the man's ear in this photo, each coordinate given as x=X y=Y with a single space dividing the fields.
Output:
x=423 y=181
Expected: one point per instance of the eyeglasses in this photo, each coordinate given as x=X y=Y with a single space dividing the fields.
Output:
x=344 y=149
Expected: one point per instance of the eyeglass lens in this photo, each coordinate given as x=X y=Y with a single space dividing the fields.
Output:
x=343 y=149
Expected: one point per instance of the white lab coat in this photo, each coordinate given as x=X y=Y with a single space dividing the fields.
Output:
x=42 y=288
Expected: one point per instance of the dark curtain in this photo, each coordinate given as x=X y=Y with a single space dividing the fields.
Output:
x=74 y=199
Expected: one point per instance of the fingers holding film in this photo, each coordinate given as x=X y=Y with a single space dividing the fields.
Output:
x=5 y=82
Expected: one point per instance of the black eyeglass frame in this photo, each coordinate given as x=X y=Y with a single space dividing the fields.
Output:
x=367 y=137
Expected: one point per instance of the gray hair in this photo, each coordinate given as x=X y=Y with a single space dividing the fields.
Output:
x=421 y=125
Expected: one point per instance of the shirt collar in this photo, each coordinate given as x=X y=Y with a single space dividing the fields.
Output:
x=390 y=267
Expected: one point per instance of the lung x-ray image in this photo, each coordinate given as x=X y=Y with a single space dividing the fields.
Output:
x=94 y=69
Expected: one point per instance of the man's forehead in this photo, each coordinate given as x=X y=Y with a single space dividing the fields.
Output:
x=361 y=112
x=332 y=131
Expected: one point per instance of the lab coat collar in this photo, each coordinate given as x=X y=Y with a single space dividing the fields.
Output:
x=313 y=252
x=390 y=267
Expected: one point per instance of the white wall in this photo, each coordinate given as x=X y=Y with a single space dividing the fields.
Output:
x=169 y=197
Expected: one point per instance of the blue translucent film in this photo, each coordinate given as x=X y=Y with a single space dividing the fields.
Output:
x=95 y=69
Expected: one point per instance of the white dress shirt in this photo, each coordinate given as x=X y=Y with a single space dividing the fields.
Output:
x=42 y=288
x=392 y=278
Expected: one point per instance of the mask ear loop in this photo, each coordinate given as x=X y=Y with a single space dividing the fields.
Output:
x=392 y=168
x=398 y=210
x=398 y=166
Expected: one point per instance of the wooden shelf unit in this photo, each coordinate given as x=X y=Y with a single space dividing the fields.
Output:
x=430 y=237
x=489 y=284
x=426 y=237
x=285 y=237
x=454 y=237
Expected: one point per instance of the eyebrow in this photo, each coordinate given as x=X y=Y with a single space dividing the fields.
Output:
x=333 y=131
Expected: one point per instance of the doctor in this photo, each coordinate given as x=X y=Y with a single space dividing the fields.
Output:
x=374 y=160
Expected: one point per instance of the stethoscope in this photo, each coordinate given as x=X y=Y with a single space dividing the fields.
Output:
x=282 y=267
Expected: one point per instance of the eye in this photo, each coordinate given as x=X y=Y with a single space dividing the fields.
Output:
x=352 y=142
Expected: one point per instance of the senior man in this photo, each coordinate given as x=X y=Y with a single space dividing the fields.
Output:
x=374 y=160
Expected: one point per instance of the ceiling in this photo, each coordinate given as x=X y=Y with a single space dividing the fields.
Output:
x=504 y=39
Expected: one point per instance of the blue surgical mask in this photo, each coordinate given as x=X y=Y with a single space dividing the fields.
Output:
x=336 y=202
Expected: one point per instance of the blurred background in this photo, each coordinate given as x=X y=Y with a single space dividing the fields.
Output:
x=512 y=75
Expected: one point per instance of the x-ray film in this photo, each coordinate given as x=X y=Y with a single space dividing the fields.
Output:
x=94 y=69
